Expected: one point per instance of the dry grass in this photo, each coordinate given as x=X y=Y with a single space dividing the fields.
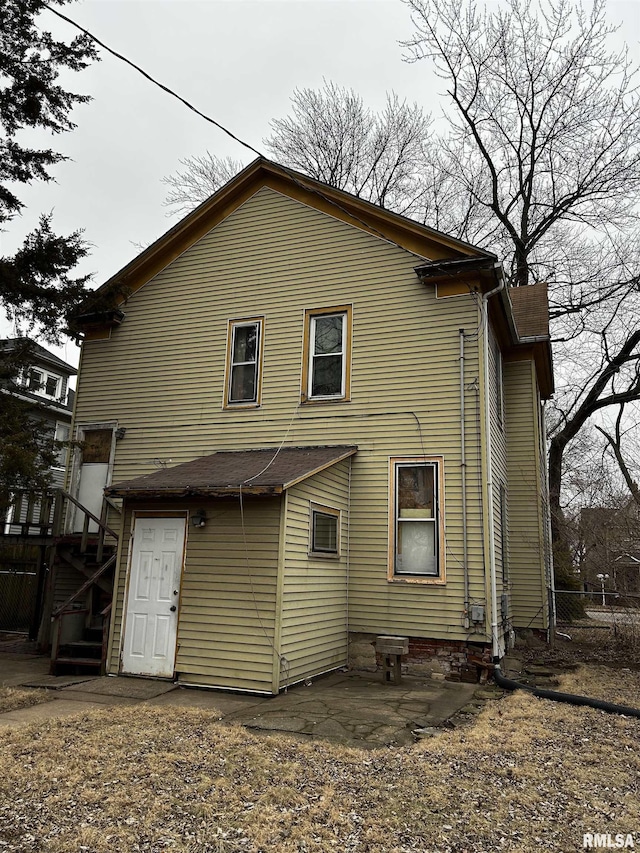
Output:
x=530 y=775
x=13 y=698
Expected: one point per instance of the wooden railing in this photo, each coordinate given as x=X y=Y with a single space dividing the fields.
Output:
x=103 y=528
x=31 y=514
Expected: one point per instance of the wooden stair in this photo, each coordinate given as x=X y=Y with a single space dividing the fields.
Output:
x=79 y=650
x=80 y=624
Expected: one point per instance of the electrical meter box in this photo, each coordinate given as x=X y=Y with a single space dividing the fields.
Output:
x=477 y=612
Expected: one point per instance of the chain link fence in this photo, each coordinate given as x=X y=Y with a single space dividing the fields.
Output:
x=597 y=609
x=605 y=622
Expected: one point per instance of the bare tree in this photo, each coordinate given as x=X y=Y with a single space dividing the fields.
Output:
x=201 y=177
x=614 y=441
x=545 y=125
x=332 y=136
x=544 y=151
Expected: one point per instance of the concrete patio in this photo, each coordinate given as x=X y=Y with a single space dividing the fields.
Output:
x=355 y=708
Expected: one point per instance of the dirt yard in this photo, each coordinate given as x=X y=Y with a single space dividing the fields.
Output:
x=528 y=775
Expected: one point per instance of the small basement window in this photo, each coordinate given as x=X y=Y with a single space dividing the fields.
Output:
x=325 y=531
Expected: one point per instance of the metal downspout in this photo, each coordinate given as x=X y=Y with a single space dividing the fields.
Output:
x=463 y=478
x=495 y=646
x=551 y=586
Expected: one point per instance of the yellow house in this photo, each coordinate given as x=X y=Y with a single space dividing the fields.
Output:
x=315 y=422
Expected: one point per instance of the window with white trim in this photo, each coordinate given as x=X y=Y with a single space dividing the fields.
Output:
x=43 y=383
x=327 y=354
x=244 y=359
x=416 y=520
x=325 y=531
x=62 y=434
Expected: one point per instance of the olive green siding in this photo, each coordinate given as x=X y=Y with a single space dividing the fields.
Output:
x=526 y=493
x=161 y=376
x=227 y=594
x=314 y=590
x=499 y=429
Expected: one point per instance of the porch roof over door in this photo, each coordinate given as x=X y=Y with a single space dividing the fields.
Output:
x=268 y=471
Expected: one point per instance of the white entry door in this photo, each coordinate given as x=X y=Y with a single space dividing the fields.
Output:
x=152 y=603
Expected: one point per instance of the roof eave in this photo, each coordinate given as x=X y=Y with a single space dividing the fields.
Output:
x=366 y=214
x=195 y=492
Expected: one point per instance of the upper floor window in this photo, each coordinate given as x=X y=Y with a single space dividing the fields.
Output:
x=416 y=519
x=43 y=382
x=244 y=362
x=327 y=350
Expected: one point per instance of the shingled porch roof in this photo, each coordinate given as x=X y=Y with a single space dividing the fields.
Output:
x=268 y=471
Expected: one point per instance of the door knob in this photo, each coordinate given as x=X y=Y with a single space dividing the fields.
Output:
x=173 y=608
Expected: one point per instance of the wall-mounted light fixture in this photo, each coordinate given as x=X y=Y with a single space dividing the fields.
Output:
x=199 y=518
x=121 y=432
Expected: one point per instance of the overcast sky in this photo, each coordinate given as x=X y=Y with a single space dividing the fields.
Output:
x=237 y=61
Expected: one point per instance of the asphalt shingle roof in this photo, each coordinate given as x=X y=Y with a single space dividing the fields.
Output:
x=530 y=309
x=267 y=471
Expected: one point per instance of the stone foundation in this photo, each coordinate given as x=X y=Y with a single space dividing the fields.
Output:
x=439 y=659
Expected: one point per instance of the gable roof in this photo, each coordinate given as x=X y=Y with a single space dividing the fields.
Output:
x=37 y=353
x=268 y=471
x=424 y=242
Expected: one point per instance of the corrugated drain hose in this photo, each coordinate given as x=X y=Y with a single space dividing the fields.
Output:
x=570 y=698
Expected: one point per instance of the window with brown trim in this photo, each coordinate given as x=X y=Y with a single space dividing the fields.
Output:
x=416 y=519
x=327 y=354
x=244 y=362
x=324 y=531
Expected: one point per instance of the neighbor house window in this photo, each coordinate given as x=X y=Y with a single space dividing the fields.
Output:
x=61 y=435
x=33 y=380
x=244 y=362
x=325 y=531
x=327 y=361
x=416 y=519
x=40 y=382
x=52 y=386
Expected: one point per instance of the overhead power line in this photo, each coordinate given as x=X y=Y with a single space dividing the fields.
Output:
x=294 y=177
x=155 y=82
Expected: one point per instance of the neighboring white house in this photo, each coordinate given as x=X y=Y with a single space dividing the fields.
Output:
x=45 y=383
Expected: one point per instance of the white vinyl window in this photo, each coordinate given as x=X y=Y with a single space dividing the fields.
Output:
x=416 y=522
x=33 y=380
x=327 y=354
x=44 y=383
x=325 y=531
x=243 y=362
